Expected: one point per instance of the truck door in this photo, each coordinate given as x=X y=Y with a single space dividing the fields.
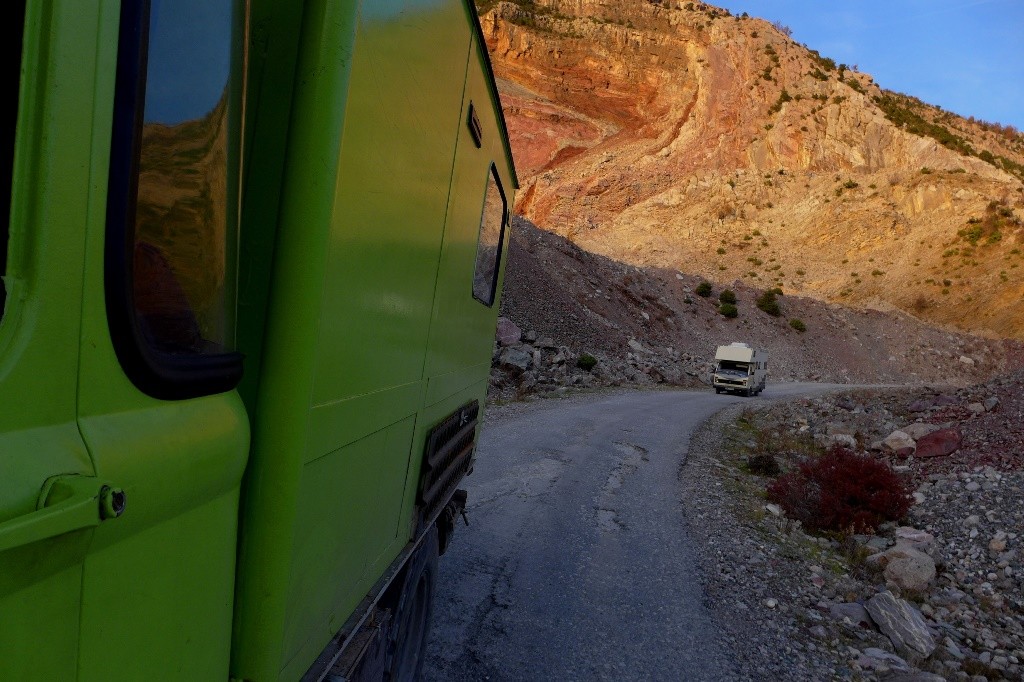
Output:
x=124 y=444
x=49 y=496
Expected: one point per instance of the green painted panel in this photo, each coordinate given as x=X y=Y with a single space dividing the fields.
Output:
x=43 y=642
x=40 y=583
x=462 y=327
x=157 y=605
x=339 y=423
x=282 y=399
x=445 y=385
x=391 y=194
x=354 y=523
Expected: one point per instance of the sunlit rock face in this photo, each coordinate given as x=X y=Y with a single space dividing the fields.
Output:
x=675 y=134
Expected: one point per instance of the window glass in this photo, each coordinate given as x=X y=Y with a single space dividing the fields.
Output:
x=183 y=241
x=14 y=28
x=488 y=247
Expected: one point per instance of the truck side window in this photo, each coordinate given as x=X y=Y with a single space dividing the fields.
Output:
x=488 y=246
x=172 y=204
x=14 y=29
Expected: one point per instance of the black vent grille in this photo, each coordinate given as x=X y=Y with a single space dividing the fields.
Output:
x=447 y=458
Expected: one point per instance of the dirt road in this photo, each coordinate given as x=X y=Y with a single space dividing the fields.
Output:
x=575 y=565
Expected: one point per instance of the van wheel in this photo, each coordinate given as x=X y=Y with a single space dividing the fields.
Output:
x=411 y=609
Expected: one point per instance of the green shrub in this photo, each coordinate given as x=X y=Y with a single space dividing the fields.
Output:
x=703 y=289
x=769 y=304
x=798 y=325
x=728 y=310
x=777 y=291
x=727 y=296
x=586 y=362
x=721 y=251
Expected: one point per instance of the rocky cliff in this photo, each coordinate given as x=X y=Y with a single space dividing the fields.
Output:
x=676 y=135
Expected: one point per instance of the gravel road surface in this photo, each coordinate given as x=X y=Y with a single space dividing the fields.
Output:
x=576 y=564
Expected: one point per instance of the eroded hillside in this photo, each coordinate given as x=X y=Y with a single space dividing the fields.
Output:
x=675 y=135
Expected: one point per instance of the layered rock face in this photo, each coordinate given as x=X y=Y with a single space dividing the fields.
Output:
x=672 y=134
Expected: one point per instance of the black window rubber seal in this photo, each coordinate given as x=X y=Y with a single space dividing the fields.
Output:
x=161 y=375
x=492 y=172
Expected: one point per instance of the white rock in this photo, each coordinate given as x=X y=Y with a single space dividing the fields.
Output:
x=897 y=440
x=908 y=568
x=914 y=538
x=919 y=429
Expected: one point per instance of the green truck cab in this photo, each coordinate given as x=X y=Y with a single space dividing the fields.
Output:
x=253 y=261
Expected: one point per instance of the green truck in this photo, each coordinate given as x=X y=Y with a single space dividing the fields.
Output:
x=252 y=267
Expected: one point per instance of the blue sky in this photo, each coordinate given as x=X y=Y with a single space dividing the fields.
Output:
x=189 y=58
x=966 y=56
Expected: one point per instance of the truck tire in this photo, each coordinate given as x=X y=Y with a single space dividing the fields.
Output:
x=717 y=390
x=411 y=610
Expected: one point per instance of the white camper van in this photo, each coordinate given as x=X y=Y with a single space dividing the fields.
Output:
x=741 y=369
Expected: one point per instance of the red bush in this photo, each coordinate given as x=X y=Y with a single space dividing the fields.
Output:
x=841 y=491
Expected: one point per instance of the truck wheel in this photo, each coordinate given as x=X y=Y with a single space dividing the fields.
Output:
x=411 y=609
x=717 y=390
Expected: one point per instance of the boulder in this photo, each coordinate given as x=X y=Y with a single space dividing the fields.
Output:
x=846 y=403
x=991 y=403
x=914 y=538
x=976 y=408
x=945 y=401
x=907 y=568
x=852 y=612
x=881 y=661
x=839 y=429
x=939 y=443
x=897 y=440
x=843 y=439
x=507 y=332
x=515 y=358
x=902 y=624
x=639 y=347
x=919 y=429
x=922 y=405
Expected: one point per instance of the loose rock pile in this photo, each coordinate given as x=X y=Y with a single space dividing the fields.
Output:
x=940 y=597
x=526 y=363
x=648 y=325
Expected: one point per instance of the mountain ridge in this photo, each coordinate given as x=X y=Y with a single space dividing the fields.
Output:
x=690 y=138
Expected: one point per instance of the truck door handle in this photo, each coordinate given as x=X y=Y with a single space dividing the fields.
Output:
x=66 y=503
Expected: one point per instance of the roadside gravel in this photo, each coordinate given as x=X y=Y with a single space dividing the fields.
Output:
x=792 y=604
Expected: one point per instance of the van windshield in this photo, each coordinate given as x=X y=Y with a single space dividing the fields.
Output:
x=732 y=368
